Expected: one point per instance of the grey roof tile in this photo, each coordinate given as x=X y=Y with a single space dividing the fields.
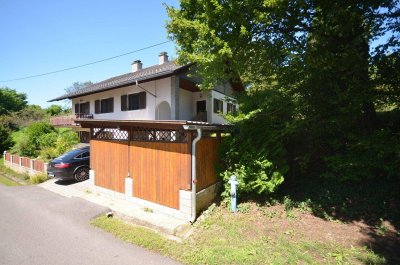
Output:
x=149 y=73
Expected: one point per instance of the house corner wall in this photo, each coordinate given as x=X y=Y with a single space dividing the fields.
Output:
x=175 y=98
x=204 y=198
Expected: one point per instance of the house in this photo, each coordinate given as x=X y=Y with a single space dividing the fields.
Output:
x=154 y=135
x=160 y=92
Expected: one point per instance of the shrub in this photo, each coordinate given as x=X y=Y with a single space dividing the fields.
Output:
x=29 y=144
x=42 y=139
x=66 y=140
x=48 y=140
x=257 y=175
x=38 y=178
x=255 y=151
x=48 y=153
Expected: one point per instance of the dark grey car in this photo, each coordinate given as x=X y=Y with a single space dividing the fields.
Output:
x=71 y=165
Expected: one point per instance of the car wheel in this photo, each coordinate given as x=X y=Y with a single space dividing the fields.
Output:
x=81 y=174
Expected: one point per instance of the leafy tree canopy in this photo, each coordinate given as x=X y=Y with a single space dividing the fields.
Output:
x=5 y=139
x=77 y=86
x=54 y=110
x=318 y=62
x=11 y=100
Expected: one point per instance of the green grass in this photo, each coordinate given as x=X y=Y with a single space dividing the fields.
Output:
x=225 y=238
x=11 y=175
x=7 y=182
x=17 y=135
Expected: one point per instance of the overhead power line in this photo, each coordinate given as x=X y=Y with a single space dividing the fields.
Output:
x=86 y=64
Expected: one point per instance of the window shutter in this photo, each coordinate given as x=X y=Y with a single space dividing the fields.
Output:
x=142 y=100
x=97 y=106
x=76 y=108
x=124 y=100
x=111 y=105
x=215 y=105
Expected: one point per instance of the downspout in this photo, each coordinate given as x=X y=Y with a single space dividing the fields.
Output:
x=194 y=179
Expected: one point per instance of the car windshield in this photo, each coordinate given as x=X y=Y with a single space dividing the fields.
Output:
x=71 y=154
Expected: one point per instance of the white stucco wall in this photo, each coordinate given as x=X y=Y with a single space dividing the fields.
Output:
x=186 y=105
x=217 y=118
x=161 y=88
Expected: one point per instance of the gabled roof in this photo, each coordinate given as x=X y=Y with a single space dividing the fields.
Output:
x=146 y=74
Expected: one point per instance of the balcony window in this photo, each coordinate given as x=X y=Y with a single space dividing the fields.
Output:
x=104 y=105
x=218 y=106
x=133 y=101
x=82 y=108
x=230 y=108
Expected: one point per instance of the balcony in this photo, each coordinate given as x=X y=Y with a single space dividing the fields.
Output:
x=200 y=116
x=69 y=120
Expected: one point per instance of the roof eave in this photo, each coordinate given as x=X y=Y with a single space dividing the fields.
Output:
x=139 y=80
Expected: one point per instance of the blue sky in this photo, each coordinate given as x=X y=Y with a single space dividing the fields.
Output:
x=43 y=36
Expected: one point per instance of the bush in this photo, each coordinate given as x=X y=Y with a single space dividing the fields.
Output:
x=255 y=152
x=42 y=139
x=48 y=140
x=257 y=175
x=38 y=178
x=66 y=140
x=29 y=144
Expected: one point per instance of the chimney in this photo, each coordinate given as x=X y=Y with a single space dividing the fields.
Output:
x=136 y=66
x=162 y=58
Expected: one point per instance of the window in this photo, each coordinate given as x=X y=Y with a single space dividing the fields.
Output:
x=230 y=108
x=104 y=105
x=82 y=108
x=133 y=101
x=83 y=155
x=218 y=106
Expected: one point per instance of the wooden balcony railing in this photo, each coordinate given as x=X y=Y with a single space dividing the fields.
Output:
x=201 y=116
x=83 y=116
x=69 y=120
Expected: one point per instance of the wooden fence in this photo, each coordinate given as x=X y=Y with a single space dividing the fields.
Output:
x=25 y=163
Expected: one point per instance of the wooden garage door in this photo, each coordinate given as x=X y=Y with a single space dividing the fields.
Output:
x=159 y=170
x=109 y=161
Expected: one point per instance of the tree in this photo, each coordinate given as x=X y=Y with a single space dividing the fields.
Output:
x=5 y=139
x=54 y=110
x=11 y=100
x=77 y=86
x=28 y=115
x=317 y=57
x=30 y=144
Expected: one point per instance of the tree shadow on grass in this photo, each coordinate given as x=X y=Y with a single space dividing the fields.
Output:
x=373 y=202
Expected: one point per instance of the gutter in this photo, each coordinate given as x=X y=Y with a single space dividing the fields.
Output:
x=194 y=179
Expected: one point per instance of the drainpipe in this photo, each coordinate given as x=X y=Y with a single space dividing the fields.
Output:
x=194 y=179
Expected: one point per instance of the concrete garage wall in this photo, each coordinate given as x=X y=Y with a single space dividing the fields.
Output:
x=204 y=198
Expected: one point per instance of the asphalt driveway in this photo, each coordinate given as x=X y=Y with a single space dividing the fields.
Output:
x=40 y=227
